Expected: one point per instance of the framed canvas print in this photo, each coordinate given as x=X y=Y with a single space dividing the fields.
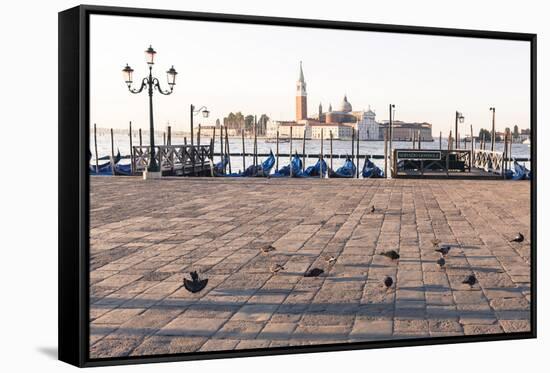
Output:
x=238 y=185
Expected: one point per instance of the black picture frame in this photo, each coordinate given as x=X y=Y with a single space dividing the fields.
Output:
x=73 y=250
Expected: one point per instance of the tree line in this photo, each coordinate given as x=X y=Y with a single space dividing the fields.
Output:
x=245 y=123
x=485 y=134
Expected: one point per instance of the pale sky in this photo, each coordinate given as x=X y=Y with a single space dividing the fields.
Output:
x=253 y=69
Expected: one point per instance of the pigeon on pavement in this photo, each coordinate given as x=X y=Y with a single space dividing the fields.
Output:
x=388 y=282
x=518 y=238
x=195 y=284
x=392 y=254
x=470 y=280
x=444 y=250
x=314 y=272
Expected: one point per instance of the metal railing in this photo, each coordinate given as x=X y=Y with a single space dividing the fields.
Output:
x=173 y=158
x=490 y=161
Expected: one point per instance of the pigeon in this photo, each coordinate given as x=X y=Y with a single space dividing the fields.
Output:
x=388 y=281
x=444 y=250
x=470 y=280
x=519 y=238
x=330 y=259
x=441 y=262
x=275 y=268
x=392 y=254
x=436 y=242
x=372 y=209
x=267 y=249
x=314 y=272
x=194 y=285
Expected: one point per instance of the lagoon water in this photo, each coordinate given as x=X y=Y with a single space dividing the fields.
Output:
x=341 y=147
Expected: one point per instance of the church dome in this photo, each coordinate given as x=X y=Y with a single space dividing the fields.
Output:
x=345 y=106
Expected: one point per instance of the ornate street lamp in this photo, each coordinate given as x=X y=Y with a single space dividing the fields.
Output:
x=458 y=118
x=194 y=112
x=151 y=83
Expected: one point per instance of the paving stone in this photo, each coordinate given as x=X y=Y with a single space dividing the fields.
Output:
x=371 y=329
x=186 y=326
x=138 y=262
x=157 y=345
x=237 y=329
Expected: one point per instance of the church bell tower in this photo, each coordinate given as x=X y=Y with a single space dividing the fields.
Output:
x=301 y=96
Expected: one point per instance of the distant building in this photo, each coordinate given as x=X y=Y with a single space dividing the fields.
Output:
x=208 y=131
x=284 y=128
x=342 y=123
x=404 y=131
x=525 y=134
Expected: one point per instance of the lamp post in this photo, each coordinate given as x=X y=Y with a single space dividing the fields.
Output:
x=493 y=130
x=194 y=112
x=151 y=83
x=458 y=118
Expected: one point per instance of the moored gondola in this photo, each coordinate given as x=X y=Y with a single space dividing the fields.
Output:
x=261 y=170
x=346 y=171
x=295 y=164
x=105 y=168
x=519 y=172
x=370 y=170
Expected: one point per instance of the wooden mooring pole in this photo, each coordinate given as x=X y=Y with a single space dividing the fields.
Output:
x=277 y=151
x=472 y=145
x=199 y=136
x=95 y=146
x=330 y=151
x=304 y=150
x=255 y=142
x=131 y=148
x=169 y=138
x=221 y=146
x=357 y=146
x=440 y=148
x=321 y=157
x=352 y=144
x=227 y=149
x=290 y=152
x=386 y=152
x=140 y=138
x=244 y=158
x=112 y=153
x=212 y=143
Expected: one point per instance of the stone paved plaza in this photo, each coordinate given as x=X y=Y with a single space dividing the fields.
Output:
x=147 y=235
